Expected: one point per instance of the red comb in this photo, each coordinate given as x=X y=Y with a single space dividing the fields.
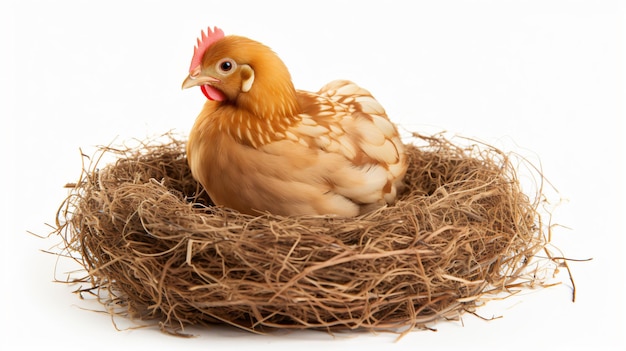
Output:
x=204 y=42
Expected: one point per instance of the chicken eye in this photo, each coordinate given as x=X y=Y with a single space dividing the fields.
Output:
x=226 y=66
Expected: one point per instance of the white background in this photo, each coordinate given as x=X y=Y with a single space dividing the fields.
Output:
x=541 y=78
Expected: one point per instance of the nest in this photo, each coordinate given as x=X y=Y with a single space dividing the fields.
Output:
x=155 y=248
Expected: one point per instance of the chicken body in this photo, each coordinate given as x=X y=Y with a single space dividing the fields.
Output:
x=267 y=147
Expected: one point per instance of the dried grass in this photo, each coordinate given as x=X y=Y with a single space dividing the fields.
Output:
x=154 y=248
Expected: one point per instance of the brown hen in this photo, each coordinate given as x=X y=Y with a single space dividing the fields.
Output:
x=260 y=145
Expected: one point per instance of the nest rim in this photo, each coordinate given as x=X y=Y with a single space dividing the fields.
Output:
x=291 y=289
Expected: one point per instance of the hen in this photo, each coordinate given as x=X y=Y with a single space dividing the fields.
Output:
x=260 y=145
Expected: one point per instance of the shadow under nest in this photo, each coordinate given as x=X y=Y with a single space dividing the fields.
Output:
x=155 y=248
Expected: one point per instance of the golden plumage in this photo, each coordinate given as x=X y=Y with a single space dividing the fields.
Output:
x=260 y=145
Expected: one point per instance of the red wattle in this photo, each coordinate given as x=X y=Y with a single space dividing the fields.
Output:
x=212 y=93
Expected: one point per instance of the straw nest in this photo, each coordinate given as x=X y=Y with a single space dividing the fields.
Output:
x=155 y=248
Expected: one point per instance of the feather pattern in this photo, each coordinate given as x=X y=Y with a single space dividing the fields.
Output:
x=341 y=157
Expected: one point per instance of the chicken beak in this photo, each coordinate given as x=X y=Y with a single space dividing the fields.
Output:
x=198 y=80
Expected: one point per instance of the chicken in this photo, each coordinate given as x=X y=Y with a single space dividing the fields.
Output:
x=259 y=145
